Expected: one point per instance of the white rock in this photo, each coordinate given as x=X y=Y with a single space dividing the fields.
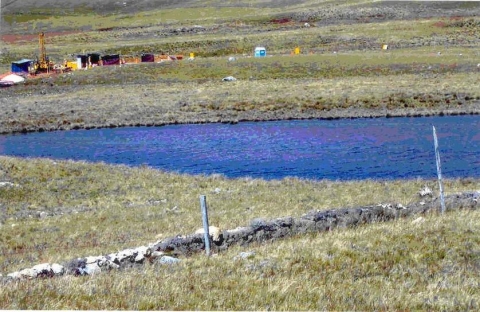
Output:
x=425 y=191
x=139 y=257
x=229 y=78
x=41 y=268
x=141 y=252
x=92 y=269
x=28 y=273
x=107 y=264
x=112 y=257
x=385 y=206
x=91 y=259
x=8 y=184
x=168 y=260
x=125 y=253
x=232 y=59
x=400 y=206
x=238 y=229
x=213 y=231
x=14 y=275
x=112 y=265
x=156 y=254
x=58 y=269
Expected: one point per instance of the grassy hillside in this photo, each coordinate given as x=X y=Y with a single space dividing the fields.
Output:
x=62 y=210
x=55 y=211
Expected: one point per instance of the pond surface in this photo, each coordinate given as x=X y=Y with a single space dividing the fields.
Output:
x=342 y=149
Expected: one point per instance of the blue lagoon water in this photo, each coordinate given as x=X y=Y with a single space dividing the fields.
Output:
x=342 y=149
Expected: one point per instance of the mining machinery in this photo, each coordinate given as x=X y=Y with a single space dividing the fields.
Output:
x=42 y=64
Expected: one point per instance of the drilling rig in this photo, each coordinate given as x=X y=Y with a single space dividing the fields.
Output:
x=42 y=64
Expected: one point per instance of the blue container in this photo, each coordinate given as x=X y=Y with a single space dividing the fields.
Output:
x=21 y=66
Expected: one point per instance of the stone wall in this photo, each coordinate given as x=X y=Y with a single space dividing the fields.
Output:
x=260 y=230
x=169 y=250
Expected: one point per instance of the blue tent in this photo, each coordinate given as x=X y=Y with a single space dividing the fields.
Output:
x=21 y=66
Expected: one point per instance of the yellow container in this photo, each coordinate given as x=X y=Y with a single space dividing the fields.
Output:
x=72 y=65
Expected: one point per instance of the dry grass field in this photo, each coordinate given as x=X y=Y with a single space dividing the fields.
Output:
x=56 y=211
x=60 y=210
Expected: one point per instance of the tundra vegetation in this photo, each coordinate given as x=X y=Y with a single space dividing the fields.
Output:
x=54 y=211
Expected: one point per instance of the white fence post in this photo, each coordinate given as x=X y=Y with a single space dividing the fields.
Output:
x=203 y=205
x=439 y=170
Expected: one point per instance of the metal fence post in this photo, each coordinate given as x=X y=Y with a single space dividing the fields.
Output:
x=206 y=235
x=439 y=170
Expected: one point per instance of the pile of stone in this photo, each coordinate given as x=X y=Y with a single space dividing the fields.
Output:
x=39 y=270
x=169 y=250
x=95 y=264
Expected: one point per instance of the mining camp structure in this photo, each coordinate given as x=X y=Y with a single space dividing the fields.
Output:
x=43 y=66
